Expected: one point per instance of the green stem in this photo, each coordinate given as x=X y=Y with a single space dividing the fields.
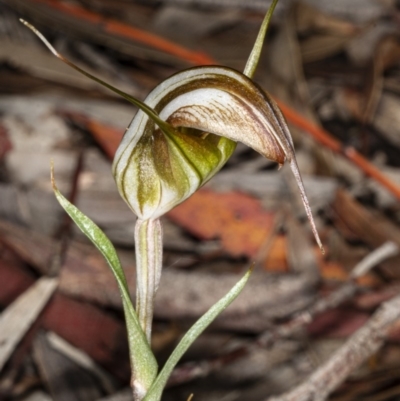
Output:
x=148 y=245
x=255 y=54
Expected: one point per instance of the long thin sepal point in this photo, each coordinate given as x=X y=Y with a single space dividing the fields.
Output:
x=299 y=180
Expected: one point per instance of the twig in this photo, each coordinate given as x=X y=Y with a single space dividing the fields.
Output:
x=361 y=345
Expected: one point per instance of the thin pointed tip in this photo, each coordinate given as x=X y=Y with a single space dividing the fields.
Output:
x=27 y=24
x=314 y=228
x=319 y=243
x=41 y=37
x=53 y=181
x=300 y=185
x=252 y=267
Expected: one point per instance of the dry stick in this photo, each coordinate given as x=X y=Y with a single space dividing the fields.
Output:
x=361 y=345
x=191 y=370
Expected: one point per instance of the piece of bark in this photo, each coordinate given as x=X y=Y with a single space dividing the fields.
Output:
x=81 y=359
x=244 y=362
x=16 y=320
x=99 y=334
x=65 y=380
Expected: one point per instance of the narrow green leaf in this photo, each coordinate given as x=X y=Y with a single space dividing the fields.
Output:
x=255 y=54
x=155 y=392
x=143 y=362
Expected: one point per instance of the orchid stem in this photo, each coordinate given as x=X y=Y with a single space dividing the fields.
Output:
x=148 y=246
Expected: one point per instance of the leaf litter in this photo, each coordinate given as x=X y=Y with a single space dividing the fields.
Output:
x=335 y=65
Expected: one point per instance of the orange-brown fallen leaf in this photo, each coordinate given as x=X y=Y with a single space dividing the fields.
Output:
x=332 y=271
x=276 y=257
x=238 y=220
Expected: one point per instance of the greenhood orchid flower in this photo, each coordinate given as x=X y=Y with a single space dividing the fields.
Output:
x=204 y=111
x=187 y=128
